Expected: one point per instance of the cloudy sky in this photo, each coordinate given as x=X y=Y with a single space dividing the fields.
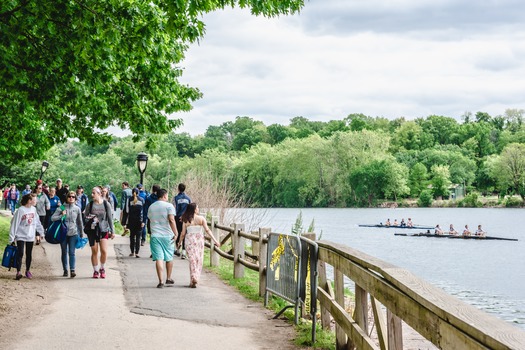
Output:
x=390 y=58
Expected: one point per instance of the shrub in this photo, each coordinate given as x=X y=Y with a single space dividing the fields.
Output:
x=471 y=200
x=425 y=198
x=511 y=202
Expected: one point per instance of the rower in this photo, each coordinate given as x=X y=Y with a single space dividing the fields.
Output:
x=452 y=230
x=395 y=222
x=409 y=222
x=480 y=232
x=466 y=231
x=403 y=223
x=438 y=230
x=387 y=223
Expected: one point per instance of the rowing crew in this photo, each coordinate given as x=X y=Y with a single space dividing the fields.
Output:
x=452 y=231
x=401 y=224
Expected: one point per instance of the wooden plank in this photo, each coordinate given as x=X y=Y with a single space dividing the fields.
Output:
x=345 y=322
x=380 y=323
x=395 y=331
x=214 y=256
x=325 y=285
x=483 y=328
x=361 y=307
x=238 y=251
x=341 y=338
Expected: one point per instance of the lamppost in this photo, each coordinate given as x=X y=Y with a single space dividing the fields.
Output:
x=142 y=163
x=45 y=164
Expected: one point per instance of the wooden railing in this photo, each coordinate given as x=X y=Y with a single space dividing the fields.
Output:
x=393 y=294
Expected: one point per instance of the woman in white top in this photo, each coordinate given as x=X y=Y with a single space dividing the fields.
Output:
x=193 y=226
x=24 y=225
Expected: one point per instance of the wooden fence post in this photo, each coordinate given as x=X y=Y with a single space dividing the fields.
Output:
x=361 y=308
x=395 y=331
x=214 y=256
x=341 y=339
x=323 y=284
x=264 y=232
x=238 y=251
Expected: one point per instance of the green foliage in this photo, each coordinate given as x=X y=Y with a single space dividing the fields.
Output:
x=5 y=223
x=71 y=69
x=471 y=200
x=512 y=202
x=440 y=180
x=425 y=198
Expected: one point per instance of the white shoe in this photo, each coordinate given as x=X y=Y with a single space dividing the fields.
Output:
x=183 y=254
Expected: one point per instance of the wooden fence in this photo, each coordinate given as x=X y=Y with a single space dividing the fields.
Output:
x=393 y=294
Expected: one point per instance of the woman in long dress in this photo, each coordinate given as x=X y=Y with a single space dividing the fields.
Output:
x=193 y=228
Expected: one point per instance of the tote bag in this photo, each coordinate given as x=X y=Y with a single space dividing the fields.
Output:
x=56 y=232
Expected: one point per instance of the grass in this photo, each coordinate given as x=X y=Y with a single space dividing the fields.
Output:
x=249 y=287
x=5 y=222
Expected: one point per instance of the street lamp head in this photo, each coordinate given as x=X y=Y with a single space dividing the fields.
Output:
x=45 y=165
x=142 y=162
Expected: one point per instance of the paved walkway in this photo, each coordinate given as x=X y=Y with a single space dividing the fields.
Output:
x=127 y=311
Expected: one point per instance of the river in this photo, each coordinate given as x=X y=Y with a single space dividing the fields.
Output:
x=487 y=274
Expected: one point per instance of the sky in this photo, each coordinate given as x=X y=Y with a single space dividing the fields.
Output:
x=388 y=58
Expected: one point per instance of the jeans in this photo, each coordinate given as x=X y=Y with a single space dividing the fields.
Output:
x=143 y=232
x=68 y=248
x=12 y=206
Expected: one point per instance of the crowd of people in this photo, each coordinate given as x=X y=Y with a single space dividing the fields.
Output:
x=175 y=228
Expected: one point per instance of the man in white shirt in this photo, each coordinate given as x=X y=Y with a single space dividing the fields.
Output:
x=161 y=216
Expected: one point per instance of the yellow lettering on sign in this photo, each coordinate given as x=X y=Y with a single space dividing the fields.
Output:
x=276 y=256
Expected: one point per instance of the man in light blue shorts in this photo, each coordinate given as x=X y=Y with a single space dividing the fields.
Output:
x=161 y=216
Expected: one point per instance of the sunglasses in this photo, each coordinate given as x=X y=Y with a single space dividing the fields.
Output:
x=39 y=188
x=71 y=197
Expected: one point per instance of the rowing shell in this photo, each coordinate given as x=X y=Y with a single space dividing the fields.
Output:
x=400 y=227
x=432 y=235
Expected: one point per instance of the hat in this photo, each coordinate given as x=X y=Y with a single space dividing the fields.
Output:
x=39 y=182
x=139 y=186
x=59 y=179
x=108 y=187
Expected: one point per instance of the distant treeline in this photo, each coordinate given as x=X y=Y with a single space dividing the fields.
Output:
x=357 y=161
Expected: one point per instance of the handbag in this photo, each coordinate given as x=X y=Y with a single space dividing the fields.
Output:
x=81 y=243
x=57 y=232
x=10 y=255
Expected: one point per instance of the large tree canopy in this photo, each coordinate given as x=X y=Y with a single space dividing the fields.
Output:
x=71 y=68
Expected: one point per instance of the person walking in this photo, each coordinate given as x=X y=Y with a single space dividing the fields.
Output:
x=163 y=232
x=181 y=201
x=144 y=195
x=61 y=191
x=6 y=196
x=42 y=205
x=126 y=193
x=54 y=202
x=193 y=227
x=27 y=190
x=24 y=225
x=99 y=228
x=73 y=217
x=13 y=196
x=135 y=221
x=82 y=200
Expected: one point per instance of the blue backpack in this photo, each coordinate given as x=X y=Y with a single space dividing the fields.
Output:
x=10 y=255
x=56 y=232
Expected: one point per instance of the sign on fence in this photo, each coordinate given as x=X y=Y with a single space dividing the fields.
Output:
x=291 y=273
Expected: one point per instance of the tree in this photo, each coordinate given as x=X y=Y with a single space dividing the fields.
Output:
x=440 y=180
x=509 y=169
x=417 y=179
x=70 y=69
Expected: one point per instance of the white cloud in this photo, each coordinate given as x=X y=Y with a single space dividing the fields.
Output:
x=380 y=58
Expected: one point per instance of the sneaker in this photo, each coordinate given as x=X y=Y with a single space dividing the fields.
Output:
x=170 y=281
x=95 y=274
x=160 y=285
x=176 y=252
x=142 y=243
x=73 y=274
x=137 y=256
x=102 y=273
x=183 y=255
x=18 y=276
x=132 y=254
x=65 y=273
x=29 y=274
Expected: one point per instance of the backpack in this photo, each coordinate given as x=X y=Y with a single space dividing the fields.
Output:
x=9 y=258
x=90 y=227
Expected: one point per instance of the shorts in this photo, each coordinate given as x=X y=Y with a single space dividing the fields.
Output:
x=96 y=237
x=162 y=248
